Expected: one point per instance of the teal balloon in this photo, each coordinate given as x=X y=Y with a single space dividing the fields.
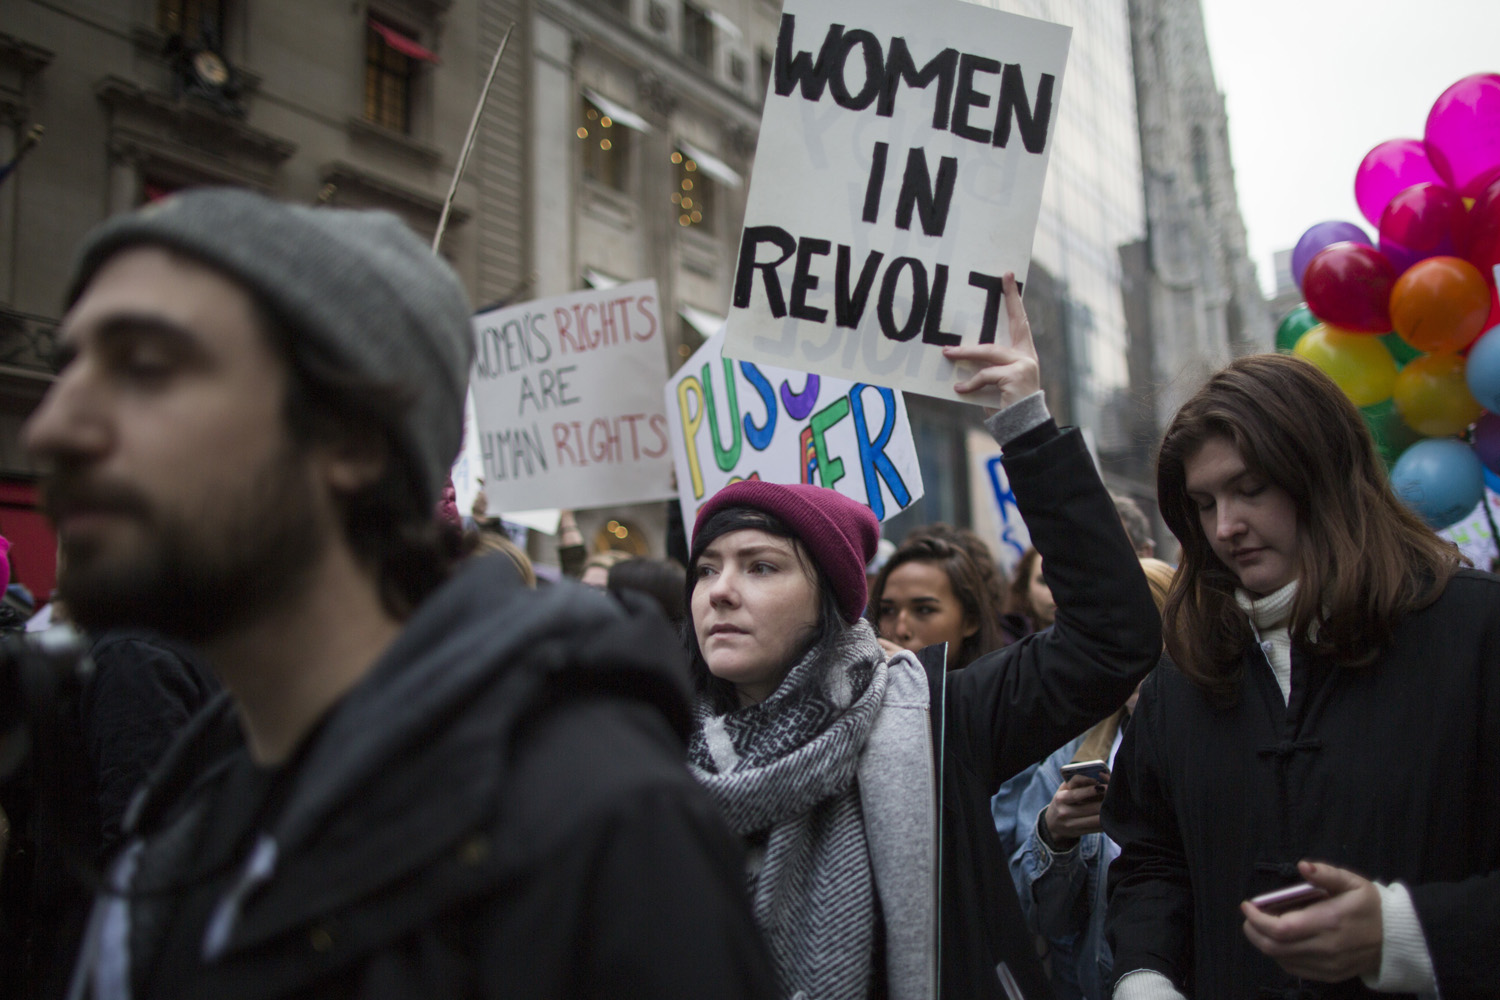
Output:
x=1400 y=349
x=1391 y=433
x=1293 y=326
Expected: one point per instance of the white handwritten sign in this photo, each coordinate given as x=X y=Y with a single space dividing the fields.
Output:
x=567 y=401
x=733 y=420
x=897 y=178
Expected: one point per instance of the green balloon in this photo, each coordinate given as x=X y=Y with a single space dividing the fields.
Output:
x=1391 y=433
x=1293 y=326
x=1400 y=349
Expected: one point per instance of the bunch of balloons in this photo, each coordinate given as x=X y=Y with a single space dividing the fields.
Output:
x=1408 y=324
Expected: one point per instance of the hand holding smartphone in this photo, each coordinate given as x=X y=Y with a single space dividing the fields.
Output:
x=1095 y=770
x=1293 y=897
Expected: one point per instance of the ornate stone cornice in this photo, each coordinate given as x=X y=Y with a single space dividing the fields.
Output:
x=196 y=125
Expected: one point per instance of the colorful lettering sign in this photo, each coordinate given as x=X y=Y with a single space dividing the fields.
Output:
x=567 y=397
x=898 y=177
x=733 y=420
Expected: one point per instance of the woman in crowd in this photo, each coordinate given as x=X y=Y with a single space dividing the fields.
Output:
x=933 y=591
x=819 y=749
x=1060 y=869
x=1029 y=605
x=940 y=589
x=1333 y=717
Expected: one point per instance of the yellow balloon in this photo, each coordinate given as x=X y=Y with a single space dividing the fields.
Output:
x=1433 y=397
x=1359 y=364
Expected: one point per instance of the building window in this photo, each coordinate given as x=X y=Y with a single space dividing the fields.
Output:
x=391 y=59
x=697 y=37
x=192 y=19
x=693 y=198
x=606 y=147
x=1200 y=158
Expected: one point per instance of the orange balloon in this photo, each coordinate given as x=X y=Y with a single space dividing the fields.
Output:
x=1433 y=396
x=1440 y=304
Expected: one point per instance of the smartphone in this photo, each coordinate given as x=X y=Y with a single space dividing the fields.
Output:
x=1095 y=770
x=1293 y=897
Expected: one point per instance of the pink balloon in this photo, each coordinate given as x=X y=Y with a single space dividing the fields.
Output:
x=1463 y=133
x=1389 y=168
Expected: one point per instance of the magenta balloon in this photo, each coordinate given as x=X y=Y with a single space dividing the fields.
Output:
x=1390 y=167
x=1425 y=220
x=1320 y=236
x=1463 y=133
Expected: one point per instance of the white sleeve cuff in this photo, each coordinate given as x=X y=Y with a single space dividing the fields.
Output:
x=1146 y=984
x=1405 y=963
x=1023 y=415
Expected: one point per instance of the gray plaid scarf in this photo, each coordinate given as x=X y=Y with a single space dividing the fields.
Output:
x=783 y=772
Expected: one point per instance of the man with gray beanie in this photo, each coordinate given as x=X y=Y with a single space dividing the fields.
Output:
x=414 y=786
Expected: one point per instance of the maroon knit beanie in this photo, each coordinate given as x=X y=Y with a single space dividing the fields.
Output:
x=840 y=533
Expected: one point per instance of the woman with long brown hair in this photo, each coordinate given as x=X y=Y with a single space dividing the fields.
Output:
x=1332 y=717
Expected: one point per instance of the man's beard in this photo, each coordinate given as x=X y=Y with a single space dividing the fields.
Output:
x=195 y=578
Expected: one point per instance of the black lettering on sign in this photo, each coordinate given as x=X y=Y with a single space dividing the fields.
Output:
x=994 y=294
x=804 y=281
x=968 y=97
x=917 y=192
x=838 y=84
x=744 y=279
x=931 y=334
x=875 y=183
x=1032 y=119
x=849 y=305
x=790 y=70
x=900 y=66
x=886 y=311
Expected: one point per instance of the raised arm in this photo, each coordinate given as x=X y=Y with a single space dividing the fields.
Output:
x=1016 y=705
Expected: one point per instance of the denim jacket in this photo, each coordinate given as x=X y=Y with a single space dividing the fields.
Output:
x=1063 y=894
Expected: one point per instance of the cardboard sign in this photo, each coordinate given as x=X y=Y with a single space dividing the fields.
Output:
x=567 y=401
x=898 y=177
x=995 y=514
x=732 y=420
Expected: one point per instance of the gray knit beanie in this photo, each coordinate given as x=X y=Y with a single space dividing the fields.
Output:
x=359 y=283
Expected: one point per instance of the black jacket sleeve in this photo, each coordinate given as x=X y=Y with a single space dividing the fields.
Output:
x=1012 y=707
x=1150 y=916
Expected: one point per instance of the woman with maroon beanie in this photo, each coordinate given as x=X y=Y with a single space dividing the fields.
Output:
x=835 y=762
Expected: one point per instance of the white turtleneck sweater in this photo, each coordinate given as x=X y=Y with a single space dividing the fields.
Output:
x=1405 y=962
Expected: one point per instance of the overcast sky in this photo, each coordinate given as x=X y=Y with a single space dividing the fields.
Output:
x=1312 y=85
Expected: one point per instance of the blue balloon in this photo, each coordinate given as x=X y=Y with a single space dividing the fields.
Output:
x=1491 y=480
x=1441 y=479
x=1482 y=370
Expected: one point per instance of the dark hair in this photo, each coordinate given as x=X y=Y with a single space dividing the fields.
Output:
x=388 y=523
x=663 y=580
x=720 y=693
x=1134 y=519
x=1018 y=594
x=974 y=582
x=1363 y=559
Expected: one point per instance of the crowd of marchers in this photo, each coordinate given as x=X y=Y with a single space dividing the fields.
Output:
x=310 y=731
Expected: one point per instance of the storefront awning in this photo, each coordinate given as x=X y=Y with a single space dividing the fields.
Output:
x=616 y=111
x=710 y=164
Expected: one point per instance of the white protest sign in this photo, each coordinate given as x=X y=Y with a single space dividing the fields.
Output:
x=1473 y=536
x=996 y=515
x=568 y=402
x=735 y=420
x=898 y=177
